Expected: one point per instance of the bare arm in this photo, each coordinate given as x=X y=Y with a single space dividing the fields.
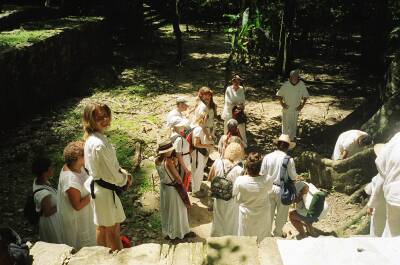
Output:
x=171 y=168
x=211 y=174
x=283 y=104
x=75 y=199
x=197 y=143
x=344 y=154
x=301 y=106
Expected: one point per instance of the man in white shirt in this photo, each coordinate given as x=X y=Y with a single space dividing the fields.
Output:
x=181 y=106
x=272 y=166
x=388 y=165
x=292 y=96
x=349 y=143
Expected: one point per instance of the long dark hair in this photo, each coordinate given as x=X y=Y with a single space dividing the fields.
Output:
x=206 y=90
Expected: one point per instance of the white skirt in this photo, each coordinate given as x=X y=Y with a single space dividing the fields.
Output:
x=106 y=211
x=225 y=218
x=254 y=222
x=174 y=217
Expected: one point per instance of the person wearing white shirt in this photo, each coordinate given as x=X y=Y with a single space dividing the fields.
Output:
x=234 y=96
x=108 y=177
x=233 y=132
x=181 y=106
x=251 y=192
x=206 y=104
x=388 y=165
x=181 y=145
x=311 y=207
x=271 y=167
x=74 y=199
x=292 y=96
x=200 y=153
x=226 y=212
x=349 y=143
x=378 y=213
x=45 y=198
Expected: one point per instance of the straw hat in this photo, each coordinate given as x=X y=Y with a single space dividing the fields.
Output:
x=165 y=147
x=378 y=148
x=286 y=139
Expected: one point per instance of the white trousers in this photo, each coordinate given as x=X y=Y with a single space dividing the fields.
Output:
x=281 y=210
x=392 y=227
x=289 y=122
x=198 y=164
x=242 y=130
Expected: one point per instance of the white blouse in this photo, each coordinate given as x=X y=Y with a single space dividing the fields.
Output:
x=232 y=98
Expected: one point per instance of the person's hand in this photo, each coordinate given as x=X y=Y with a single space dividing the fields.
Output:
x=187 y=171
x=300 y=107
x=284 y=105
x=370 y=211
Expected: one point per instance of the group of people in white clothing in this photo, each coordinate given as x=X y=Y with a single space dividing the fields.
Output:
x=86 y=209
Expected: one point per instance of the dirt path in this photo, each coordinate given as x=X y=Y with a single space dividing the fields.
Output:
x=143 y=90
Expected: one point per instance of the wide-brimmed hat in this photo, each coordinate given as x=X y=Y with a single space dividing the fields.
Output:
x=165 y=147
x=378 y=148
x=286 y=139
x=236 y=77
x=178 y=122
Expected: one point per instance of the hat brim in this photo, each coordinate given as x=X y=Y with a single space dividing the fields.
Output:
x=291 y=144
x=378 y=148
x=166 y=150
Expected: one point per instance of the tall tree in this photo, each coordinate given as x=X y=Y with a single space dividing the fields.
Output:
x=285 y=51
x=175 y=17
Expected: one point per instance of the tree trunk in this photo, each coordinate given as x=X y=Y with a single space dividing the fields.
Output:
x=285 y=55
x=177 y=31
x=346 y=175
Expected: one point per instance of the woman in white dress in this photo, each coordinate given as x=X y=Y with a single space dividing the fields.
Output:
x=251 y=192
x=108 y=177
x=226 y=213
x=199 y=154
x=234 y=96
x=174 y=217
x=45 y=197
x=74 y=199
x=205 y=104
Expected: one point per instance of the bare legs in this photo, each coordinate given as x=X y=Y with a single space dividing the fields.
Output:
x=109 y=236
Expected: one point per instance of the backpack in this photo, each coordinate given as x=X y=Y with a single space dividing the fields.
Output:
x=30 y=212
x=317 y=204
x=12 y=250
x=221 y=187
x=288 y=190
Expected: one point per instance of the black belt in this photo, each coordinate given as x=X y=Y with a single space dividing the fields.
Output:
x=185 y=154
x=114 y=188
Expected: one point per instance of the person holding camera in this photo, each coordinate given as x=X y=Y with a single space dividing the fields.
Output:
x=109 y=179
x=234 y=106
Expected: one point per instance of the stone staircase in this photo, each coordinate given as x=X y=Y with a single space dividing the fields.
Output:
x=231 y=250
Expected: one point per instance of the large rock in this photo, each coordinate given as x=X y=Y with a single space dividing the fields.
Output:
x=92 y=256
x=50 y=254
x=230 y=250
x=268 y=252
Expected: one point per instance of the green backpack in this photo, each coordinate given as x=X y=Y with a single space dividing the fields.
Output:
x=317 y=204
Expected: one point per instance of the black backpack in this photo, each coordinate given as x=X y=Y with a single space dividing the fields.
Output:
x=288 y=190
x=12 y=250
x=30 y=212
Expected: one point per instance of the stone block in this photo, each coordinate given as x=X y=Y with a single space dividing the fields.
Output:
x=50 y=254
x=189 y=253
x=268 y=252
x=92 y=256
x=146 y=254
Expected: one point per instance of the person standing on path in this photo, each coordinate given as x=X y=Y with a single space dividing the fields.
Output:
x=181 y=106
x=388 y=165
x=292 y=96
x=271 y=167
x=235 y=101
x=378 y=212
x=109 y=179
x=251 y=192
x=205 y=104
x=181 y=145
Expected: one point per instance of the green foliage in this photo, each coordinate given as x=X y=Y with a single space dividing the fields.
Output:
x=20 y=37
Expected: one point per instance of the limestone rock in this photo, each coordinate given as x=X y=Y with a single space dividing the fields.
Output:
x=229 y=250
x=50 y=254
x=268 y=252
x=146 y=254
x=189 y=253
x=91 y=256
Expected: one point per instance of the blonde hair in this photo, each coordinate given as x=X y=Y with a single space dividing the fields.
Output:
x=200 y=119
x=89 y=115
x=72 y=152
x=234 y=152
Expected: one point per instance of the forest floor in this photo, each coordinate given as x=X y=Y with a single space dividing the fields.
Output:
x=140 y=85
